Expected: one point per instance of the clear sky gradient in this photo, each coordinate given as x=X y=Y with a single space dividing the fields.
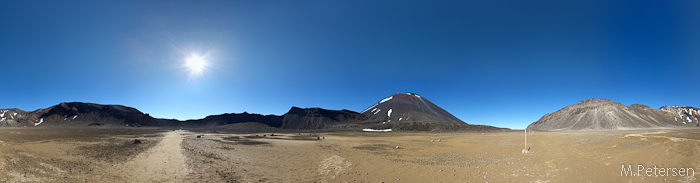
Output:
x=500 y=63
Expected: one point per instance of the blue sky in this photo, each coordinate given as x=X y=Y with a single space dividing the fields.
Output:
x=501 y=63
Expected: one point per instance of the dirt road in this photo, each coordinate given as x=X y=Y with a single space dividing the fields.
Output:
x=162 y=163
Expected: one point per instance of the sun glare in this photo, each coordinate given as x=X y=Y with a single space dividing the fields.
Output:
x=196 y=66
x=196 y=60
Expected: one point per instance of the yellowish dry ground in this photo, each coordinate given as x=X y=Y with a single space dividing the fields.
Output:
x=181 y=156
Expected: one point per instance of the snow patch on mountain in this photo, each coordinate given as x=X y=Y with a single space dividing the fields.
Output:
x=375 y=105
x=686 y=114
x=386 y=99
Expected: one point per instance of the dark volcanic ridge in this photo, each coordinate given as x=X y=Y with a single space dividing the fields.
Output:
x=406 y=112
x=604 y=114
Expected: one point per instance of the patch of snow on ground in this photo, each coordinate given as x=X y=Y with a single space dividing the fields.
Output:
x=3 y=119
x=377 y=111
x=400 y=119
x=676 y=118
x=75 y=116
x=389 y=113
x=3 y=114
x=689 y=120
x=373 y=130
x=41 y=121
x=386 y=99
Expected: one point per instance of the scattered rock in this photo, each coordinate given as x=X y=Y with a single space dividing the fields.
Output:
x=137 y=141
x=526 y=151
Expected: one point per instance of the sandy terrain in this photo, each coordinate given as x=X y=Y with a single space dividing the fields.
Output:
x=182 y=156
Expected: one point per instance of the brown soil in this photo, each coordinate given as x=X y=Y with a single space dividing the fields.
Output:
x=179 y=156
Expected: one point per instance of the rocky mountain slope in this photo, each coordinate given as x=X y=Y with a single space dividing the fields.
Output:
x=232 y=118
x=317 y=118
x=604 y=114
x=74 y=113
x=689 y=116
x=408 y=107
x=77 y=114
x=13 y=118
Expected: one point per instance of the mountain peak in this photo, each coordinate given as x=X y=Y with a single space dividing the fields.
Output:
x=596 y=101
x=408 y=107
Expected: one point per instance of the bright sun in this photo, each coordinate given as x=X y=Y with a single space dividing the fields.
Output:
x=196 y=65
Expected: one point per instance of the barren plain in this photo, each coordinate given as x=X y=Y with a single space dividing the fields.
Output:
x=111 y=155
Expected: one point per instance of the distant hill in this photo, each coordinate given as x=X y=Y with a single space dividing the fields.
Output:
x=77 y=114
x=604 y=114
x=317 y=118
x=233 y=118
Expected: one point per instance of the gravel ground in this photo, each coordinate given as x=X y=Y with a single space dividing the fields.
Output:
x=101 y=155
